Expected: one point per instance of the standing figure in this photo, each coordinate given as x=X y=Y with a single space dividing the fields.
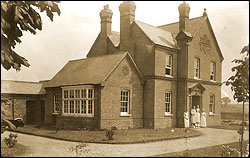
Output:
x=203 y=119
x=193 y=112
x=186 y=119
x=197 y=117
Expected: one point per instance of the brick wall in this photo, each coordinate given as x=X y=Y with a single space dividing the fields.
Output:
x=72 y=122
x=111 y=96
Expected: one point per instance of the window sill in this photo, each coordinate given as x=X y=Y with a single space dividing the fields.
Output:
x=169 y=76
x=77 y=115
x=168 y=115
x=125 y=115
x=196 y=78
x=211 y=114
x=55 y=113
x=212 y=81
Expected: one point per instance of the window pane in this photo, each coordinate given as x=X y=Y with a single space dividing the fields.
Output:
x=77 y=109
x=65 y=106
x=65 y=92
x=71 y=106
x=83 y=104
x=90 y=106
x=71 y=95
x=77 y=93
x=90 y=93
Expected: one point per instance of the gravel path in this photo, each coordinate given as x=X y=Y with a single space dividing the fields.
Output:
x=46 y=147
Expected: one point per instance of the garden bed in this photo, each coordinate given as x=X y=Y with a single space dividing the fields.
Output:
x=120 y=136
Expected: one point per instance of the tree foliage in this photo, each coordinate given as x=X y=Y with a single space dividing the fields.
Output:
x=225 y=101
x=240 y=80
x=16 y=17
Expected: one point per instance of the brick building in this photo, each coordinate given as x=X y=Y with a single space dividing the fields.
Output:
x=142 y=77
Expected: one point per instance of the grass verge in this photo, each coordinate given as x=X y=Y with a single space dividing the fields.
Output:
x=17 y=150
x=120 y=137
x=213 y=151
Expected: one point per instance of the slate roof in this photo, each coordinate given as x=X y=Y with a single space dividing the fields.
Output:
x=86 y=71
x=115 y=38
x=21 y=87
x=157 y=35
x=194 y=25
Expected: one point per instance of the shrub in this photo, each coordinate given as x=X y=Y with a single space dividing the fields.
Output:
x=231 y=152
x=110 y=133
x=11 y=141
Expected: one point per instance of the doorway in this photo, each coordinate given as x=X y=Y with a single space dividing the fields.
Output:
x=196 y=100
x=30 y=112
x=42 y=111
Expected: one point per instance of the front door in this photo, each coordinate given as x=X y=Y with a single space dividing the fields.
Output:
x=30 y=112
x=42 y=111
x=196 y=100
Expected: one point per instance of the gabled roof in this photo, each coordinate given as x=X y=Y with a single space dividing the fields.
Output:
x=21 y=87
x=94 y=70
x=157 y=35
x=194 y=25
x=115 y=38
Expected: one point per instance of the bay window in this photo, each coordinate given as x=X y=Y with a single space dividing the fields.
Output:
x=78 y=101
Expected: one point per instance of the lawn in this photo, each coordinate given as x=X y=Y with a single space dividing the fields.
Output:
x=120 y=136
x=213 y=151
x=18 y=149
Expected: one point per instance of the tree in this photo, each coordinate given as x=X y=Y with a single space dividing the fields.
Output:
x=240 y=84
x=225 y=101
x=16 y=17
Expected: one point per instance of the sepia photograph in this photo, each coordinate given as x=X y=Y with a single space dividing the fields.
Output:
x=124 y=78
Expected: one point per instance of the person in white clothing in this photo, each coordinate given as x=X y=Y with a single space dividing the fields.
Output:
x=197 y=117
x=203 y=119
x=193 y=112
x=186 y=119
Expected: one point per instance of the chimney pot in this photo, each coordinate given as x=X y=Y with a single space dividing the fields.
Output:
x=106 y=20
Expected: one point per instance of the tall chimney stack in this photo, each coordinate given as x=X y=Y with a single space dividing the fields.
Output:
x=106 y=20
x=127 y=16
x=184 y=10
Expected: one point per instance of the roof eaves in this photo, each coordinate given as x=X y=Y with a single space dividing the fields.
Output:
x=217 y=44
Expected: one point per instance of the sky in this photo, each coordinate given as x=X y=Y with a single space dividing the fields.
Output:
x=71 y=35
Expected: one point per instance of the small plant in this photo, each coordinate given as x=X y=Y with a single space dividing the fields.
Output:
x=231 y=152
x=110 y=133
x=11 y=141
x=79 y=149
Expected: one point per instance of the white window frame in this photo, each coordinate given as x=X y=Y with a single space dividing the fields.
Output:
x=125 y=99
x=197 y=64
x=212 y=103
x=169 y=65
x=56 y=103
x=213 y=71
x=82 y=99
x=168 y=103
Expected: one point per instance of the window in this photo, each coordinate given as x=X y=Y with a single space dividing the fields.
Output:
x=212 y=105
x=196 y=68
x=78 y=101
x=124 y=102
x=56 y=103
x=168 y=67
x=212 y=71
x=168 y=104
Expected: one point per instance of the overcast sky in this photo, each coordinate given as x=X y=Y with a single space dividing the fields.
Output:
x=71 y=35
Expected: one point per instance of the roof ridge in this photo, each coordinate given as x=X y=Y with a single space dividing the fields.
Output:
x=97 y=56
x=153 y=26
x=21 y=81
x=178 y=22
